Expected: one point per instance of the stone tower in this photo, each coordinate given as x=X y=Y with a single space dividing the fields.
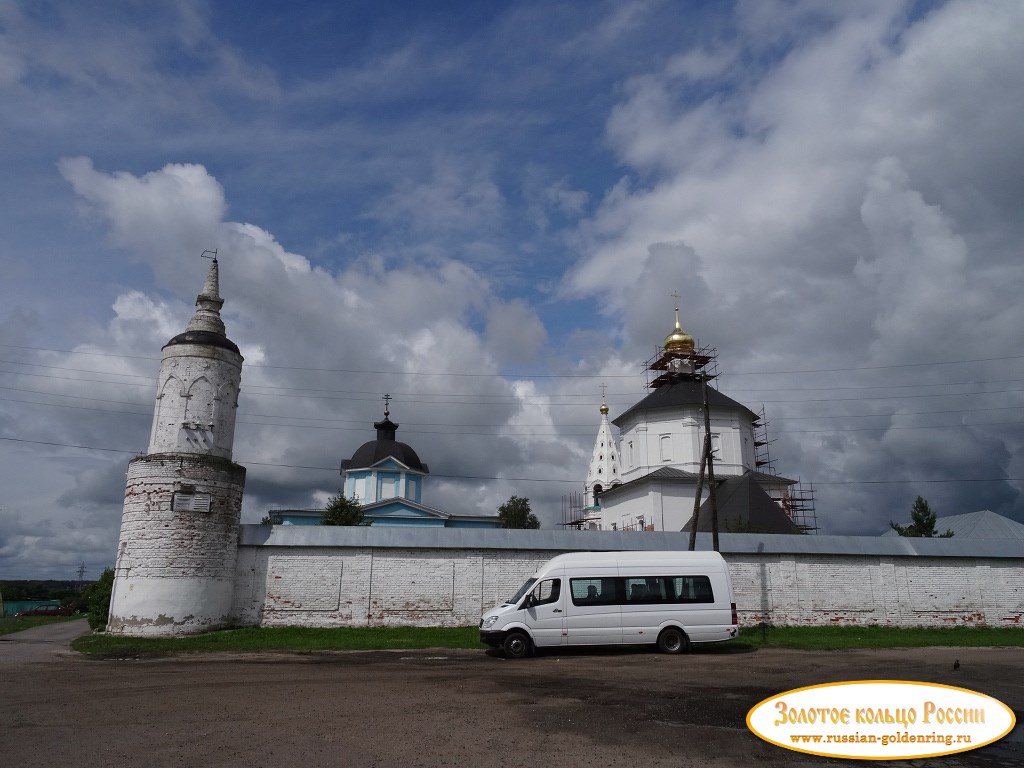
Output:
x=176 y=556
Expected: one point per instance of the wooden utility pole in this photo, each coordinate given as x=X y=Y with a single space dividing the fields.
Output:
x=700 y=490
x=709 y=458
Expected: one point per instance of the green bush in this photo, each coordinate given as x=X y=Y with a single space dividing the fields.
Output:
x=98 y=597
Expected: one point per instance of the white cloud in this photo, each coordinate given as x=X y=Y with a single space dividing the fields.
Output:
x=176 y=209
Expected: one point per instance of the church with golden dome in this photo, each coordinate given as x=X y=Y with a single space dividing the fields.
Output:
x=648 y=478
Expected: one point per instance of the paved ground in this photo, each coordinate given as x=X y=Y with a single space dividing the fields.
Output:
x=443 y=708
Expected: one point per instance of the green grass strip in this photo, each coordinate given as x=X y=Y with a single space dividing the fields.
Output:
x=306 y=639
x=838 y=638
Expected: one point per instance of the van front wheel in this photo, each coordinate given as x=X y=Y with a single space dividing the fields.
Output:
x=516 y=645
x=672 y=640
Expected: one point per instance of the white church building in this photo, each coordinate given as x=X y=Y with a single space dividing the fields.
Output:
x=647 y=479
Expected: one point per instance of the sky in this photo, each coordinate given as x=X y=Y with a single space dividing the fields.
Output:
x=483 y=209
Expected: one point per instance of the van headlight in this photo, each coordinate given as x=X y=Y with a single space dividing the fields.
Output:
x=488 y=623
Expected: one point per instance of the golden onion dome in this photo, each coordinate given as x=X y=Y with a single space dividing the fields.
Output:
x=679 y=340
x=604 y=409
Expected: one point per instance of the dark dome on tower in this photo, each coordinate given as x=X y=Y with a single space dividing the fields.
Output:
x=385 y=446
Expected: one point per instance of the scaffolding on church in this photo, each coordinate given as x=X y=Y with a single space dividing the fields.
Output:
x=797 y=502
x=576 y=514
x=762 y=456
x=667 y=365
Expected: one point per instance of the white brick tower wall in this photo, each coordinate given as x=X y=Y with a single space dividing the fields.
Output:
x=197 y=394
x=183 y=500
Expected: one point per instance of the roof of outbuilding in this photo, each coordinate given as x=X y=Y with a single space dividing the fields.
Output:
x=977 y=525
x=680 y=393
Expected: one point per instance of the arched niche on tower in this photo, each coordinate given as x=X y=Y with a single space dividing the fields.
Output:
x=168 y=405
x=200 y=405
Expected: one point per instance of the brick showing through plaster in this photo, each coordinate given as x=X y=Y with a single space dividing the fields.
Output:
x=175 y=570
x=353 y=586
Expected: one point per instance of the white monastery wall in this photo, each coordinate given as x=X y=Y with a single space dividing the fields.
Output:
x=321 y=576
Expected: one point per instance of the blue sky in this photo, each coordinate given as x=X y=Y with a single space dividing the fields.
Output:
x=483 y=208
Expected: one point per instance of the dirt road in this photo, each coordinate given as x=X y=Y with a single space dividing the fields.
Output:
x=449 y=708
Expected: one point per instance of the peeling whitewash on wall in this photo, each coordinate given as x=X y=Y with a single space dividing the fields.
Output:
x=437 y=586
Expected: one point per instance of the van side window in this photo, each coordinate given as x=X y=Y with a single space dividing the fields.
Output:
x=593 y=591
x=649 y=589
x=691 y=589
x=547 y=591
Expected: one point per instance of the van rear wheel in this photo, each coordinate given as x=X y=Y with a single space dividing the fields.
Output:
x=516 y=645
x=673 y=640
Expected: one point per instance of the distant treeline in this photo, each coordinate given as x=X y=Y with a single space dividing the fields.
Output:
x=47 y=589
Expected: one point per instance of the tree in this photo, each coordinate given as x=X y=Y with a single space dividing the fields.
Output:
x=515 y=513
x=342 y=510
x=98 y=596
x=922 y=522
x=270 y=519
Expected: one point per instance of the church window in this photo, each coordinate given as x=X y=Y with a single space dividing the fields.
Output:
x=387 y=486
x=666 y=447
x=600 y=457
x=612 y=456
x=599 y=470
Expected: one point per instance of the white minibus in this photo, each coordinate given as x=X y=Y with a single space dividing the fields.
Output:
x=670 y=599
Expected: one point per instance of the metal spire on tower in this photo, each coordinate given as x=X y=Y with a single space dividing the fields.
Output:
x=208 y=303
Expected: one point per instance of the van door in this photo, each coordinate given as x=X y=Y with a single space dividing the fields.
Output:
x=544 y=613
x=646 y=605
x=593 y=614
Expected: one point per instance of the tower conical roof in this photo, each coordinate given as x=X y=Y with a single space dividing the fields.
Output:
x=206 y=326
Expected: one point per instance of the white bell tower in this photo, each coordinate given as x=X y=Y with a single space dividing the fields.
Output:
x=604 y=463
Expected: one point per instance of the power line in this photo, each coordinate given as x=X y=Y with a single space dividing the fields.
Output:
x=150 y=381
x=540 y=375
x=430 y=399
x=510 y=429
x=522 y=479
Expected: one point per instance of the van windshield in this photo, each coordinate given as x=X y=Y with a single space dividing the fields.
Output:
x=522 y=591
